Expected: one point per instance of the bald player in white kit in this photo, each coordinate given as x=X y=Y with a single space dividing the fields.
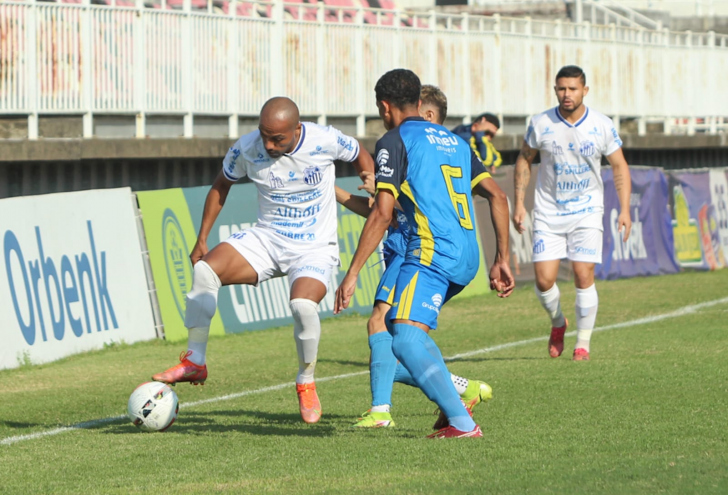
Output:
x=291 y=164
x=569 y=202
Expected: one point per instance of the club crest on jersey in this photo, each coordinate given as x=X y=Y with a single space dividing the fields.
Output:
x=556 y=149
x=312 y=176
x=587 y=148
x=539 y=247
x=275 y=181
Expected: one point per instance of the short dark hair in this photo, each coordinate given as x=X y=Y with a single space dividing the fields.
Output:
x=399 y=87
x=571 y=71
x=432 y=95
x=489 y=117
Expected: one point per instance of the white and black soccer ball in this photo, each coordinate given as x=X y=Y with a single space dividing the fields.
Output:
x=153 y=406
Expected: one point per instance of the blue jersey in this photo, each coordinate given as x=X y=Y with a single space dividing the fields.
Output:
x=434 y=170
x=396 y=243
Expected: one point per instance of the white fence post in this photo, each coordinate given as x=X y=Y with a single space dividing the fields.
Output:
x=498 y=68
x=361 y=122
x=188 y=75
x=641 y=89
x=691 y=117
x=321 y=57
x=87 y=81
x=233 y=66
x=277 y=54
x=432 y=48
x=667 y=84
x=614 y=75
x=31 y=68
x=140 y=70
x=713 y=128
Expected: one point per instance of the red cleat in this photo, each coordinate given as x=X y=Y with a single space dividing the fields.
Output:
x=308 y=402
x=581 y=354
x=185 y=371
x=451 y=432
x=556 y=341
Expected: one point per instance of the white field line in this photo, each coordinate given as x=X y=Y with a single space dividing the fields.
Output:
x=685 y=310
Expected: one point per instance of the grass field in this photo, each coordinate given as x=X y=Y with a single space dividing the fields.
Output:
x=648 y=414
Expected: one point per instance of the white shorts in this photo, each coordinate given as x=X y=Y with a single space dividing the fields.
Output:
x=272 y=256
x=581 y=244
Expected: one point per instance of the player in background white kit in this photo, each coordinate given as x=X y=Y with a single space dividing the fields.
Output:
x=292 y=166
x=569 y=202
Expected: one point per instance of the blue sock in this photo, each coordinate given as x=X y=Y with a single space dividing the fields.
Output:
x=382 y=368
x=401 y=375
x=418 y=353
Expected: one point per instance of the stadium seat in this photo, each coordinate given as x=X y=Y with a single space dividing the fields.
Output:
x=307 y=13
x=333 y=15
x=385 y=18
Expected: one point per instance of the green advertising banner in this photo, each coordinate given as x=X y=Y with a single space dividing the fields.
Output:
x=172 y=219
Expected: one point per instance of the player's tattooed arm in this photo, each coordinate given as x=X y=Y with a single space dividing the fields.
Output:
x=623 y=185
x=521 y=179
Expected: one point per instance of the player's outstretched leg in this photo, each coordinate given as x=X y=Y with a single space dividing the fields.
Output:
x=307 y=333
x=381 y=377
x=420 y=355
x=201 y=305
x=587 y=304
x=550 y=300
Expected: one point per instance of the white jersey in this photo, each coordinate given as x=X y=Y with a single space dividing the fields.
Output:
x=296 y=197
x=569 y=190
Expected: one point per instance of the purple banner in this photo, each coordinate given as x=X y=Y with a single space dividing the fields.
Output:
x=649 y=249
x=695 y=221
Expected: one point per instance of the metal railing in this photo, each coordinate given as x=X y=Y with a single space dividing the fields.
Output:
x=92 y=60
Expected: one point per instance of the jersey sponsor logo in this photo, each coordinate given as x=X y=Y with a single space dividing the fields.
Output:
x=307 y=236
x=571 y=147
x=579 y=200
x=587 y=148
x=616 y=137
x=382 y=157
x=437 y=300
x=581 y=185
x=234 y=154
x=292 y=176
x=430 y=130
x=587 y=251
x=567 y=169
x=286 y=212
x=345 y=143
x=595 y=132
x=429 y=306
x=443 y=141
x=312 y=176
x=275 y=181
x=261 y=158
x=384 y=171
x=556 y=149
x=238 y=235
x=318 y=151
x=547 y=131
x=539 y=247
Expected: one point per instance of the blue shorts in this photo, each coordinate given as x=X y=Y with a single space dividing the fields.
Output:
x=419 y=294
x=385 y=289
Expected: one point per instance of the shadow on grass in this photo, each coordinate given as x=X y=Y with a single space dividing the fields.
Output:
x=16 y=424
x=252 y=422
x=359 y=364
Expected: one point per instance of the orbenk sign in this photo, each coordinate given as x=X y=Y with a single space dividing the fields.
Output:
x=72 y=276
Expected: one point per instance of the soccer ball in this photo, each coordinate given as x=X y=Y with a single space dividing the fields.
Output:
x=153 y=406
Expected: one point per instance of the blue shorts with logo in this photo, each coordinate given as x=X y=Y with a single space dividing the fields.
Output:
x=419 y=293
x=385 y=290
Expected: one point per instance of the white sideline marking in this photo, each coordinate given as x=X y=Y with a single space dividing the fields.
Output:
x=685 y=310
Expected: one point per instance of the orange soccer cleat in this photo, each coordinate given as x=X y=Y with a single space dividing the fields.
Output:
x=556 y=341
x=581 y=354
x=185 y=371
x=308 y=402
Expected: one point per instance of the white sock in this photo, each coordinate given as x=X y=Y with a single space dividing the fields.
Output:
x=551 y=302
x=201 y=306
x=382 y=408
x=587 y=304
x=460 y=383
x=306 y=332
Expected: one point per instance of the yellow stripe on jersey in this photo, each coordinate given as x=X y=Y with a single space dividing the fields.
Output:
x=405 y=300
x=427 y=241
x=388 y=187
x=474 y=182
